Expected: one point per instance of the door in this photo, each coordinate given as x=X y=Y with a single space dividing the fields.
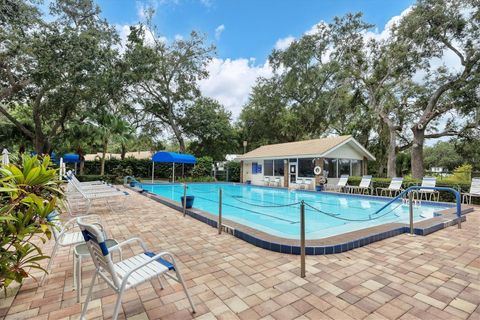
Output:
x=293 y=172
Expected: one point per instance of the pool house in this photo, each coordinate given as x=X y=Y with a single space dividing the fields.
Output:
x=287 y=163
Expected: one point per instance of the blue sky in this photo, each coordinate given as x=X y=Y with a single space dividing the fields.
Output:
x=251 y=28
x=244 y=32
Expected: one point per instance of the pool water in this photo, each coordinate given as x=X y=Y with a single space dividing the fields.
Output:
x=277 y=211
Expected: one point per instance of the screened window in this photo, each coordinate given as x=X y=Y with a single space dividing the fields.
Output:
x=268 y=167
x=357 y=167
x=343 y=166
x=305 y=167
x=330 y=165
x=279 y=168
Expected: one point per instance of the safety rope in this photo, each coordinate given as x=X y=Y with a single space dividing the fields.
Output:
x=334 y=215
x=330 y=214
x=263 y=206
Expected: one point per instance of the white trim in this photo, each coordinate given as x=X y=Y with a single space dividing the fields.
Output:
x=351 y=139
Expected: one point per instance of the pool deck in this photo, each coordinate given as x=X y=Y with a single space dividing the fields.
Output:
x=402 y=277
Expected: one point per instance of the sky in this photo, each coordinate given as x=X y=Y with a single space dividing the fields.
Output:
x=244 y=32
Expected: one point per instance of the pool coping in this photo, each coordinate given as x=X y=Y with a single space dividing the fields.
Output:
x=329 y=245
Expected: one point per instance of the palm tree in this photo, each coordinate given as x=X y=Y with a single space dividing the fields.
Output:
x=111 y=127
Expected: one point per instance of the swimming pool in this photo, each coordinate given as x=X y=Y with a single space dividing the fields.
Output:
x=277 y=211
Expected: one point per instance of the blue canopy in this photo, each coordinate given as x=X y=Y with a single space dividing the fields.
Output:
x=173 y=157
x=71 y=158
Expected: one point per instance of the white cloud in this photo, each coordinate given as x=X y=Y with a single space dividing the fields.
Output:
x=207 y=3
x=218 y=31
x=124 y=31
x=178 y=37
x=386 y=32
x=314 y=28
x=284 y=43
x=230 y=81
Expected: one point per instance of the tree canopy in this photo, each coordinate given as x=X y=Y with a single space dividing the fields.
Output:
x=68 y=83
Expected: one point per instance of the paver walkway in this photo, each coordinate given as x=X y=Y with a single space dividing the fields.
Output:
x=432 y=277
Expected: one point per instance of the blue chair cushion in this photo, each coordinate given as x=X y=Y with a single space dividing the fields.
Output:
x=162 y=261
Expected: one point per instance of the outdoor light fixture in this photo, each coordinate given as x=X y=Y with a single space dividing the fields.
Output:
x=245 y=146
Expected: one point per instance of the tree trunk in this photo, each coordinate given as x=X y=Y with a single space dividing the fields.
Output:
x=82 y=160
x=81 y=166
x=179 y=137
x=392 y=153
x=102 y=160
x=39 y=143
x=417 y=152
x=177 y=132
x=124 y=150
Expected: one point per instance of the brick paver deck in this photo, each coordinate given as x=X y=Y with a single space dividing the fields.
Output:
x=432 y=277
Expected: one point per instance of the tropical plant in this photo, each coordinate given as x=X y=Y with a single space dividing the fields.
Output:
x=28 y=195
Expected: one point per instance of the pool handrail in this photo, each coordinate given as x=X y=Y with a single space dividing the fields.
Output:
x=132 y=179
x=412 y=188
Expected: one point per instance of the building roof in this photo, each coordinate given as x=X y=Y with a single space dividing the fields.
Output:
x=314 y=147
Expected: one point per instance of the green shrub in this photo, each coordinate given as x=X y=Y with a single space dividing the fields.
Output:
x=203 y=167
x=233 y=171
x=28 y=194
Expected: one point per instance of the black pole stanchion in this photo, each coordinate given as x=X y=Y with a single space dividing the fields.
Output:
x=302 y=239
x=410 y=210
x=184 y=199
x=220 y=211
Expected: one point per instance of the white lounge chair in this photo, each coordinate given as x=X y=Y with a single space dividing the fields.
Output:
x=92 y=196
x=474 y=191
x=71 y=176
x=341 y=185
x=394 y=187
x=364 y=186
x=85 y=186
x=428 y=194
x=127 y=273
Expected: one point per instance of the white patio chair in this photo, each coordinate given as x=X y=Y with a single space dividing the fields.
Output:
x=266 y=181
x=127 y=273
x=341 y=184
x=394 y=187
x=64 y=236
x=300 y=183
x=474 y=191
x=276 y=182
x=363 y=187
x=307 y=184
x=429 y=194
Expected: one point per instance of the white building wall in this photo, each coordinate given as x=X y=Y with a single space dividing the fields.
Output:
x=259 y=178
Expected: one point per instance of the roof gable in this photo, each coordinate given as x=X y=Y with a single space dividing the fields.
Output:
x=313 y=147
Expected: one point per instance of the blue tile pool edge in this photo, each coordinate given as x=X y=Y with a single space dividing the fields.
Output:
x=309 y=250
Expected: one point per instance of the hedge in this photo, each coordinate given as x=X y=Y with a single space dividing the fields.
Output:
x=116 y=169
x=135 y=167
